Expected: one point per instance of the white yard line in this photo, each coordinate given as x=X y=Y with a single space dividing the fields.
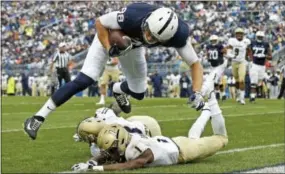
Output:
x=249 y=148
x=237 y=150
x=168 y=120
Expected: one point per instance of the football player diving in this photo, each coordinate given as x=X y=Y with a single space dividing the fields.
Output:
x=146 y=26
x=131 y=151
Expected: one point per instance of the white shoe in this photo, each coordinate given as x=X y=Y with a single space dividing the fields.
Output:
x=100 y=103
x=242 y=102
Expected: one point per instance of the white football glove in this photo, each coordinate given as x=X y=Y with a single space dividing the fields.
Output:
x=197 y=101
x=95 y=151
x=80 y=167
x=76 y=138
x=91 y=163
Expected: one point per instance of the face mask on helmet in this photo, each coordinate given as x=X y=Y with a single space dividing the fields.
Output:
x=147 y=35
x=214 y=42
x=239 y=36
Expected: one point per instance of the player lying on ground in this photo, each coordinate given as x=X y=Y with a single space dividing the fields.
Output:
x=140 y=151
x=143 y=25
x=89 y=128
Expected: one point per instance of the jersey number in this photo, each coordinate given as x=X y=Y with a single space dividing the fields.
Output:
x=258 y=52
x=236 y=50
x=120 y=16
x=213 y=54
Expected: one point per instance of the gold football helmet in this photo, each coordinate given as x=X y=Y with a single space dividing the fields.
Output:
x=113 y=138
x=89 y=128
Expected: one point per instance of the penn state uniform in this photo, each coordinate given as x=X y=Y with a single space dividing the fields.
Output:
x=216 y=59
x=130 y=20
x=259 y=51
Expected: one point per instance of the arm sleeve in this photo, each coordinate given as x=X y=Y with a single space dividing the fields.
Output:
x=188 y=53
x=109 y=20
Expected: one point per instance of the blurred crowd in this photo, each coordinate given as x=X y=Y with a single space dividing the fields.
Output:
x=32 y=30
x=173 y=85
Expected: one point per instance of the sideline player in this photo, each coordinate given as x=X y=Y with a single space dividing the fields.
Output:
x=111 y=72
x=215 y=55
x=140 y=151
x=146 y=25
x=240 y=50
x=261 y=51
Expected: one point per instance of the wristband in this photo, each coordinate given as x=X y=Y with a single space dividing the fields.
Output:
x=98 y=168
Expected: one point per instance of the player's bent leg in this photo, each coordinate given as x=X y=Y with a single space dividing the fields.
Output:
x=91 y=70
x=150 y=123
x=135 y=70
x=194 y=149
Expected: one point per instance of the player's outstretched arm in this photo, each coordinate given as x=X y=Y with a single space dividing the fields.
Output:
x=144 y=158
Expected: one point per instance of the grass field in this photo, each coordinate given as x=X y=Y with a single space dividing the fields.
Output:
x=256 y=134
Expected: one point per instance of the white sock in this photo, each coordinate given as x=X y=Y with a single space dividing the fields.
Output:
x=47 y=108
x=102 y=98
x=242 y=94
x=252 y=95
x=217 y=121
x=198 y=127
x=117 y=88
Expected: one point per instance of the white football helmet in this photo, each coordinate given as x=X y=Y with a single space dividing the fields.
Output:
x=162 y=24
x=214 y=39
x=259 y=36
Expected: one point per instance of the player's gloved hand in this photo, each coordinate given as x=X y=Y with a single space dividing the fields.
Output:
x=91 y=163
x=76 y=138
x=115 y=51
x=197 y=101
x=80 y=167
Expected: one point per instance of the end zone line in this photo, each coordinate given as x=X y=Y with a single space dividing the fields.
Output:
x=168 y=120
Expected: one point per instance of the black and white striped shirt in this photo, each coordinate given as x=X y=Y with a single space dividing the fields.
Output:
x=61 y=59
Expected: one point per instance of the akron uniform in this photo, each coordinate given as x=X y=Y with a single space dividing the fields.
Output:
x=257 y=70
x=110 y=71
x=216 y=59
x=104 y=116
x=239 y=61
x=133 y=63
x=165 y=151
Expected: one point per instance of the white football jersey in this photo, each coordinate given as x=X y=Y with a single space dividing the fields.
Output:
x=109 y=117
x=164 y=150
x=239 y=48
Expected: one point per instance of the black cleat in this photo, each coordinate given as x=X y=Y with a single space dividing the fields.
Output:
x=123 y=102
x=224 y=98
x=252 y=100
x=31 y=127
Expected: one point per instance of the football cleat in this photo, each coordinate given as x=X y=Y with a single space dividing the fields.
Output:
x=31 y=127
x=252 y=100
x=224 y=98
x=242 y=102
x=100 y=103
x=123 y=102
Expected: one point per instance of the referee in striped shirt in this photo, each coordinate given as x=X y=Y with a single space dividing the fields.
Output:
x=61 y=61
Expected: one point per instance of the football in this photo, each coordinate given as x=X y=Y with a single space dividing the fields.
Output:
x=116 y=37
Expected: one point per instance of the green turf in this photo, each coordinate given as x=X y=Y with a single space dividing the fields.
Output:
x=55 y=151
